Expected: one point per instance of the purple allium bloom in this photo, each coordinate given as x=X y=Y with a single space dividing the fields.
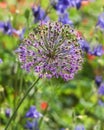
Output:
x=52 y=50
x=84 y=45
x=6 y=27
x=101 y=89
x=31 y=125
x=39 y=14
x=79 y=127
x=98 y=51
x=98 y=80
x=100 y=22
x=64 y=18
x=1 y=61
x=8 y=112
x=33 y=113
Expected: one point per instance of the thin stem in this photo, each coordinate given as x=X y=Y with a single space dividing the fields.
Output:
x=21 y=101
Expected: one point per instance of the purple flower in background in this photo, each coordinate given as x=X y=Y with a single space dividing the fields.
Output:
x=6 y=27
x=64 y=18
x=101 y=89
x=78 y=4
x=84 y=45
x=80 y=127
x=52 y=50
x=19 y=33
x=98 y=51
x=101 y=103
x=100 y=22
x=98 y=80
x=32 y=125
x=8 y=112
x=33 y=113
x=1 y=61
x=39 y=14
x=62 y=5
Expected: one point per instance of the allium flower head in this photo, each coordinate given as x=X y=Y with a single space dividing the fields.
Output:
x=52 y=50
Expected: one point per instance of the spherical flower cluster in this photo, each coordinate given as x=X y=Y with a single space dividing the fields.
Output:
x=52 y=50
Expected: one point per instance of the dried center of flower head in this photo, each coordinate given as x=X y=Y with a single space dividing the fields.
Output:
x=52 y=48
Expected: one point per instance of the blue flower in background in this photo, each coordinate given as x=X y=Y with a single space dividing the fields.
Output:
x=39 y=14
x=8 y=112
x=78 y=4
x=62 y=5
x=64 y=18
x=20 y=33
x=98 y=80
x=100 y=22
x=32 y=125
x=84 y=45
x=98 y=51
x=6 y=27
x=1 y=61
x=79 y=127
x=33 y=113
x=101 y=89
x=101 y=103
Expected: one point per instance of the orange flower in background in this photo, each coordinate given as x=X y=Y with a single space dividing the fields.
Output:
x=85 y=2
x=91 y=57
x=12 y=9
x=85 y=21
x=44 y=105
x=3 y=5
x=91 y=33
x=21 y=1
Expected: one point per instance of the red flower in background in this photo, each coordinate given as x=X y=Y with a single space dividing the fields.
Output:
x=3 y=5
x=44 y=105
x=85 y=2
x=91 y=57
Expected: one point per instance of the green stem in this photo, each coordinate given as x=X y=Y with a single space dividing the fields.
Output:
x=21 y=101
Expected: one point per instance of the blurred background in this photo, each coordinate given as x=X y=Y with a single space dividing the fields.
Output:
x=77 y=104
